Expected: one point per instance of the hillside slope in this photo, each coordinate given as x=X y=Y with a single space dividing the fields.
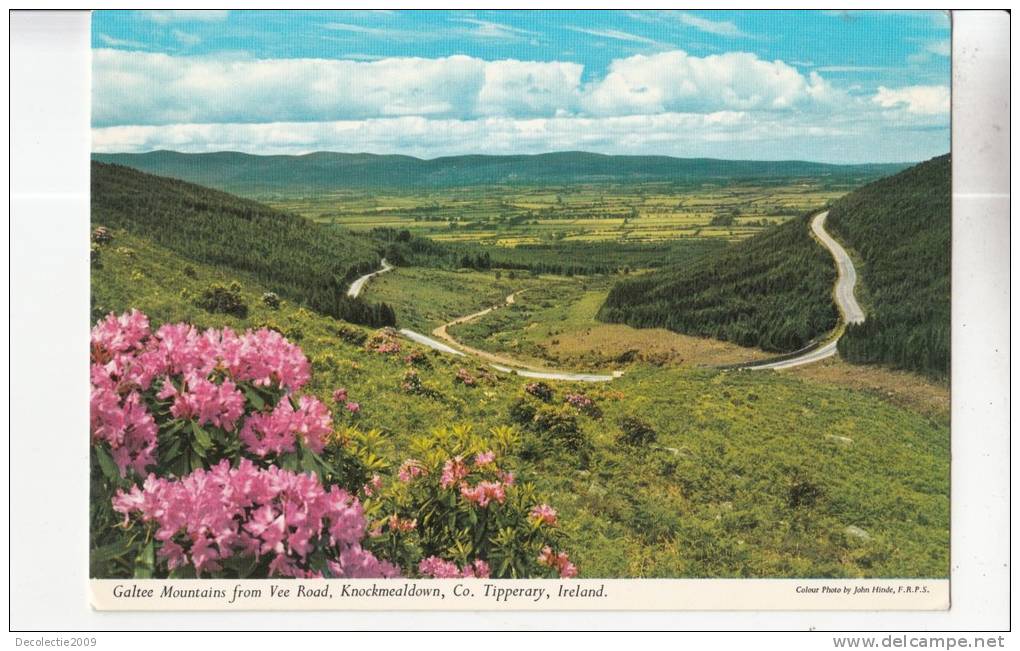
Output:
x=306 y=262
x=772 y=291
x=249 y=174
x=748 y=477
x=900 y=230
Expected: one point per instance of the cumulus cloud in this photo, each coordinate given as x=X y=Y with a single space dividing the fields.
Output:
x=519 y=88
x=921 y=100
x=676 y=81
x=148 y=88
x=733 y=104
x=153 y=88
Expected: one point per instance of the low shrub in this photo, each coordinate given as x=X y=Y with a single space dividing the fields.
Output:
x=351 y=335
x=271 y=300
x=635 y=431
x=540 y=390
x=225 y=299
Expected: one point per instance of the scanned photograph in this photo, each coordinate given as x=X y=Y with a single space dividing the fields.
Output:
x=411 y=295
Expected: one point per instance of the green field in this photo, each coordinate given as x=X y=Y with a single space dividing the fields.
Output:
x=513 y=216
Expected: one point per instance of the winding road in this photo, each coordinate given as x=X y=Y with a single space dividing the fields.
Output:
x=498 y=362
x=843 y=293
x=360 y=283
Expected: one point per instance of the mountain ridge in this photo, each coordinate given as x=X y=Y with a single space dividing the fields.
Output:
x=326 y=170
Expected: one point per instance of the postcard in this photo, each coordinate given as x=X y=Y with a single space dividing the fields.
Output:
x=525 y=310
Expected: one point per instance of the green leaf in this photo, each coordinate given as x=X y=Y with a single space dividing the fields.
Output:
x=145 y=562
x=254 y=398
x=201 y=437
x=173 y=449
x=308 y=464
x=107 y=465
x=113 y=550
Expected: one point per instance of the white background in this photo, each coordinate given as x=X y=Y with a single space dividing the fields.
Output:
x=49 y=303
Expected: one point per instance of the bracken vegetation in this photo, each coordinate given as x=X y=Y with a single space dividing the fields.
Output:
x=900 y=230
x=772 y=291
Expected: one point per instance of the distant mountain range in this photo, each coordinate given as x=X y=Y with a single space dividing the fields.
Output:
x=251 y=175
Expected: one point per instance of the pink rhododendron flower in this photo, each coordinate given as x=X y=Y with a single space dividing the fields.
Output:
x=544 y=514
x=485 y=458
x=560 y=562
x=373 y=486
x=484 y=492
x=340 y=396
x=410 y=469
x=120 y=334
x=126 y=426
x=212 y=515
x=276 y=432
x=353 y=407
x=437 y=568
x=206 y=402
x=453 y=471
x=402 y=525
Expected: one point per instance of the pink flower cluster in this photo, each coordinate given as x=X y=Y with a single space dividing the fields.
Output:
x=485 y=458
x=437 y=568
x=209 y=516
x=388 y=347
x=543 y=514
x=465 y=377
x=126 y=426
x=453 y=471
x=402 y=525
x=198 y=371
x=125 y=350
x=560 y=562
x=484 y=492
x=373 y=486
x=277 y=432
x=340 y=397
x=206 y=402
x=410 y=470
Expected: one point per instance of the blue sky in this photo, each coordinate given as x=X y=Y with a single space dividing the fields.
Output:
x=826 y=85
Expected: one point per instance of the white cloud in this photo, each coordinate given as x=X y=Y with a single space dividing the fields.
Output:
x=121 y=42
x=717 y=27
x=920 y=100
x=677 y=81
x=147 y=88
x=519 y=88
x=614 y=34
x=734 y=134
x=151 y=88
x=489 y=30
x=731 y=104
x=186 y=16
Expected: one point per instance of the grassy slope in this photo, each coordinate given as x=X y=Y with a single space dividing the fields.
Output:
x=900 y=230
x=426 y=298
x=554 y=323
x=288 y=254
x=713 y=498
x=772 y=291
